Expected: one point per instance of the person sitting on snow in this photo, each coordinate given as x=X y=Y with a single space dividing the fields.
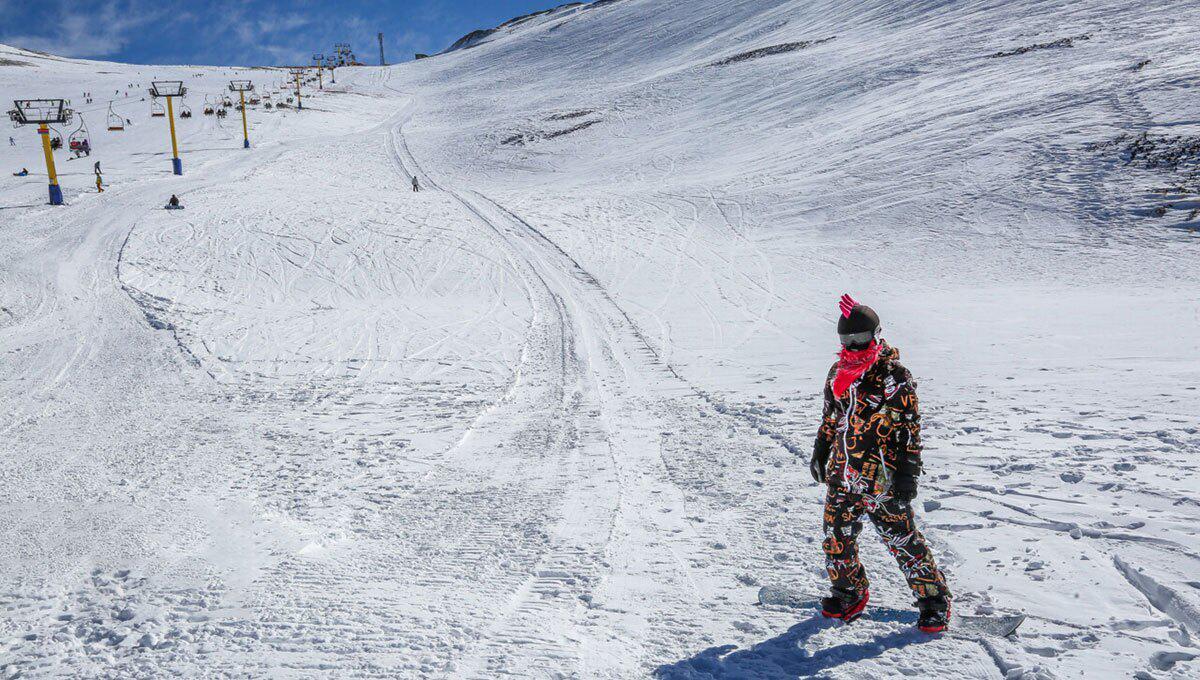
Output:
x=173 y=203
x=868 y=453
x=24 y=173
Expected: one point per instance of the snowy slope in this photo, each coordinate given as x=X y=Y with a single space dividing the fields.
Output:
x=542 y=418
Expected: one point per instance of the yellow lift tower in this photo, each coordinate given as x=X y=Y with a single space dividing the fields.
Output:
x=43 y=112
x=242 y=87
x=170 y=89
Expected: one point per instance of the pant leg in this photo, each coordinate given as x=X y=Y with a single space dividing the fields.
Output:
x=842 y=524
x=894 y=522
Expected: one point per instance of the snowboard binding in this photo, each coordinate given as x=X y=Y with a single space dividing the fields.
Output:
x=935 y=614
x=845 y=605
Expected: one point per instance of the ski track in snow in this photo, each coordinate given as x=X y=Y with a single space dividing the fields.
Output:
x=550 y=416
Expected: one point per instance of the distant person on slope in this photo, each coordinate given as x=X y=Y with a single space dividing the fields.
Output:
x=24 y=173
x=416 y=184
x=173 y=203
x=868 y=452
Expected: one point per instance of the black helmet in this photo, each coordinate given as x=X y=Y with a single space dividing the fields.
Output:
x=858 y=324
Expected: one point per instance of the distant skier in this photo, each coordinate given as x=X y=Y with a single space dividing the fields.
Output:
x=416 y=184
x=96 y=168
x=99 y=183
x=868 y=452
x=11 y=141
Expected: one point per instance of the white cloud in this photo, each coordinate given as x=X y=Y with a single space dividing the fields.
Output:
x=82 y=32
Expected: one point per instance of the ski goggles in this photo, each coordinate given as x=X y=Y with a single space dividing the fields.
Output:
x=856 y=340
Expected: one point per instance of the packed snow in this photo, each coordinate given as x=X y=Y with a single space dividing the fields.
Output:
x=550 y=416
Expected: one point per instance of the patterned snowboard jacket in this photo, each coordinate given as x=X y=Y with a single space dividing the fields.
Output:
x=874 y=428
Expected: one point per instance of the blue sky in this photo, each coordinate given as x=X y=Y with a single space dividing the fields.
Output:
x=250 y=32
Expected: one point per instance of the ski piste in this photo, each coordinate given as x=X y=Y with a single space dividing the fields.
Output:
x=1001 y=625
x=541 y=418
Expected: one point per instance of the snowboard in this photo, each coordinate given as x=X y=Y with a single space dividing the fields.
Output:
x=1001 y=625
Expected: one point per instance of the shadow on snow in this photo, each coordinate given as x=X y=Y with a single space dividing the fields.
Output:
x=783 y=656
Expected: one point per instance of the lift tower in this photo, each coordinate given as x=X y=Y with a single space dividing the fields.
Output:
x=170 y=89
x=43 y=112
x=242 y=87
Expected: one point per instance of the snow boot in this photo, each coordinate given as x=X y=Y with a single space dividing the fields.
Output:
x=846 y=605
x=935 y=614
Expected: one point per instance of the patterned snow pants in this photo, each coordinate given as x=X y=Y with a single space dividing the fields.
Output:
x=894 y=523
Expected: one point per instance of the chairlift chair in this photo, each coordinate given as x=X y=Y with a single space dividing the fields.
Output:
x=267 y=106
x=115 y=122
x=79 y=137
x=156 y=109
x=185 y=111
x=55 y=138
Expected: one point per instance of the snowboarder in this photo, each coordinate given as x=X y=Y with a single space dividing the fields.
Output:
x=868 y=453
x=416 y=184
x=173 y=203
x=24 y=173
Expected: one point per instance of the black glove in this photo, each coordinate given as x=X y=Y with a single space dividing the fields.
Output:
x=904 y=487
x=904 y=483
x=819 y=458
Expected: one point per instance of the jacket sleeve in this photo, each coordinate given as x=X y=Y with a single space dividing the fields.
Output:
x=907 y=417
x=828 y=430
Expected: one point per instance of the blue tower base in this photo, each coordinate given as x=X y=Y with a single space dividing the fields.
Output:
x=177 y=165
x=245 y=143
x=55 y=195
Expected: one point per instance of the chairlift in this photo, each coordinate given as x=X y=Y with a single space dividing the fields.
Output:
x=115 y=122
x=55 y=138
x=79 y=138
x=156 y=109
x=221 y=112
x=226 y=102
x=267 y=106
x=185 y=111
